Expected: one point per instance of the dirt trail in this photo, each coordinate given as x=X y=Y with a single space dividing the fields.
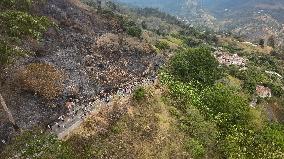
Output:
x=64 y=128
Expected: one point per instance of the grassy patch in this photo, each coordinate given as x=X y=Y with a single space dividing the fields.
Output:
x=139 y=94
x=146 y=130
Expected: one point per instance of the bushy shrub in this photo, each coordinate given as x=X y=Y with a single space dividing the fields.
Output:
x=247 y=143
x=224 y=106
x=134 y=31
x=16 y=25
x=131 y=28
x=15 y=4
x=41 y=78
x=192 y=42
x=162 y=45
x=195 y=65
x=139 y=94
x=7 y=52
x=19 y=24
x=195 y=148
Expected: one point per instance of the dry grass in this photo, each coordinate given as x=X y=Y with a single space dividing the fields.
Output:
x=40 y=78
x=114 y=42
x=109 y=40
x=145 y=130
x=138 y=45
x=246 y=47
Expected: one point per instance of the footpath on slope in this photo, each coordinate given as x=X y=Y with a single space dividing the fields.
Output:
x=78 y=113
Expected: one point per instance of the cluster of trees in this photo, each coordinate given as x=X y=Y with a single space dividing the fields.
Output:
x=218 y=119
x=256 y=74
x=195 y=65
x=131 y=28
x=16 y=23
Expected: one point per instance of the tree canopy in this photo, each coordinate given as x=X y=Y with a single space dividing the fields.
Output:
x=196 y=65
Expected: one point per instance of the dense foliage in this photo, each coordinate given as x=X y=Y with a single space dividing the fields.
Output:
x=217 y=115
x=15 y=24
x=139 y=94
x=15 y=4
x=162 y=45
x=19 y=24
x=196 y=65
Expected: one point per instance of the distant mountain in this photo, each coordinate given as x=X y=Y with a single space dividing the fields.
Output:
x=254 y=19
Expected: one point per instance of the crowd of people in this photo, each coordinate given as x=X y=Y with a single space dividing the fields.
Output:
x=81 y=111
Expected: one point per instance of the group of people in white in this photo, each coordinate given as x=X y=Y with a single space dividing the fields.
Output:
x=80 y=111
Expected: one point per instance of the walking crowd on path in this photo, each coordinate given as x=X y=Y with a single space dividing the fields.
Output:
x=77 y=111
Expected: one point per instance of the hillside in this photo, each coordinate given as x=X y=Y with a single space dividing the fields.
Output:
x=78 y=61
x=253 y=20
x=95 y=79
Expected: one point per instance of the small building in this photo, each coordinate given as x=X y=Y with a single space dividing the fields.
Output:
x=230 y=59
x=263 y=92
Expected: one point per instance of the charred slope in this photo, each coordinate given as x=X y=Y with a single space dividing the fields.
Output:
x=72 y=49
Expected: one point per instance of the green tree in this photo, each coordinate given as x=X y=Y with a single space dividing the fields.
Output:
x=195 y=65
x=224 y=106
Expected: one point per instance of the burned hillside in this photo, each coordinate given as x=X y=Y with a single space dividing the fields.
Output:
x=84 y=51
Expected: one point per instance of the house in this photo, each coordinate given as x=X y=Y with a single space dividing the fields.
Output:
x=229 y=59
x=263 y=92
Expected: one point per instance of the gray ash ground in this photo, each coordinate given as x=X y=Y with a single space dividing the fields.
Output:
x=71 y=48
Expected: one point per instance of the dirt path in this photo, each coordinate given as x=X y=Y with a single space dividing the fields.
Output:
x=64 y=128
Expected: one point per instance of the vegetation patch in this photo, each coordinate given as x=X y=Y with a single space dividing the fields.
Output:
x=16 y=24
x=162 y=45
x=146 y=130
x=41 y=78
x=218 y=109
x=197 y=65
x=37 y=145
x=139 y=94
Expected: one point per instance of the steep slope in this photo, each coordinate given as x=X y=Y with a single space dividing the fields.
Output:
x=197 y=107
x=73 y=52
